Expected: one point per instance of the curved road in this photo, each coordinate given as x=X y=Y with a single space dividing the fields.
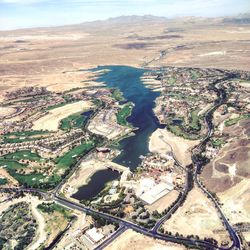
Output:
x=221 y=100
x=153 y=232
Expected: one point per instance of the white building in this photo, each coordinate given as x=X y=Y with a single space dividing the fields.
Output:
x=93 y=235
x=150 y=192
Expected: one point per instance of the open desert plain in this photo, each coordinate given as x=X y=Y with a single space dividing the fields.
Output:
x=131 y=132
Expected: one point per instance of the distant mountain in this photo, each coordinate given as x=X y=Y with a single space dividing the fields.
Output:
x=240 y=19
x=122 y=20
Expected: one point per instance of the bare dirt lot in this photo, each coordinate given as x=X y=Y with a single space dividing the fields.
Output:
x=197 y=216
x=236 y=202
x=162 y=141
x=164 y=202
x=5 y=111
x=135 y=241
x=52 y=119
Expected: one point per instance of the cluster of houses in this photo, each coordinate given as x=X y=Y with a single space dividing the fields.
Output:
x=104 y=123
x=51 y=146
x=27 y=91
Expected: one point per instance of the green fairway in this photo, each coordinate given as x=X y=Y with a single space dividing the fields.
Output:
x=16 y=137
x=123 y=114
x=179 y=131
x=70 y=158
x=73 y=121
x=11 y=164
x=40 y=180
x=194 y=121
x=56 y=106
x=217 y=142
x=33 y=180
x=24 y=155
x=67 y=101
x=172 y=80
x=195 y=74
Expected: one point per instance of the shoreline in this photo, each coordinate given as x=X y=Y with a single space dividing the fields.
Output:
x=162 y=139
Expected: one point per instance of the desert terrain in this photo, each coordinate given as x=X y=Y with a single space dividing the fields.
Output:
x=201 y=217
x=163 y=141
x=54 y=57
x=132 y=240
x=61 y=59
x=228 y=174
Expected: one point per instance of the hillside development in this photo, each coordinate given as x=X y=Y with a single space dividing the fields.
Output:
x=152 y=153
x=62 y=159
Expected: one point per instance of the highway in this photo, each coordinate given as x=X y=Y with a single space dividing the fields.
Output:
x=222 y=97
x=124 y=224
x=235 y=238
x=115 y=235
x=135 y=227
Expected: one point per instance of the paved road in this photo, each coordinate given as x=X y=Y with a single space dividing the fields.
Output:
x=135 y=227
x=222 y=97
x=153 y=233
x=115 y=235
x=235 y=238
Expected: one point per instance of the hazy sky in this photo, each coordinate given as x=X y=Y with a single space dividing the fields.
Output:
x=32 y=13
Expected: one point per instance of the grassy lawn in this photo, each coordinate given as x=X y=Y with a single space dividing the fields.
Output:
x=40 y=180
x=50 y=208
x=181 y=96
x=16 y=137
x=68 y=100
x=233 y=121
x=56 y=106
x=37 y=180
x=70 y=158
x=123 y=114
x=11 y=164
x=172 y=80
x=3 y=181
x=195 y=74
x=194 y=121
x=24 y=155
x=178 y=131
x=73 y=121
x=217 y=142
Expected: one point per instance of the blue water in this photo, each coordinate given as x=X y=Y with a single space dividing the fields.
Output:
x=96 y=184
x=127 y=80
